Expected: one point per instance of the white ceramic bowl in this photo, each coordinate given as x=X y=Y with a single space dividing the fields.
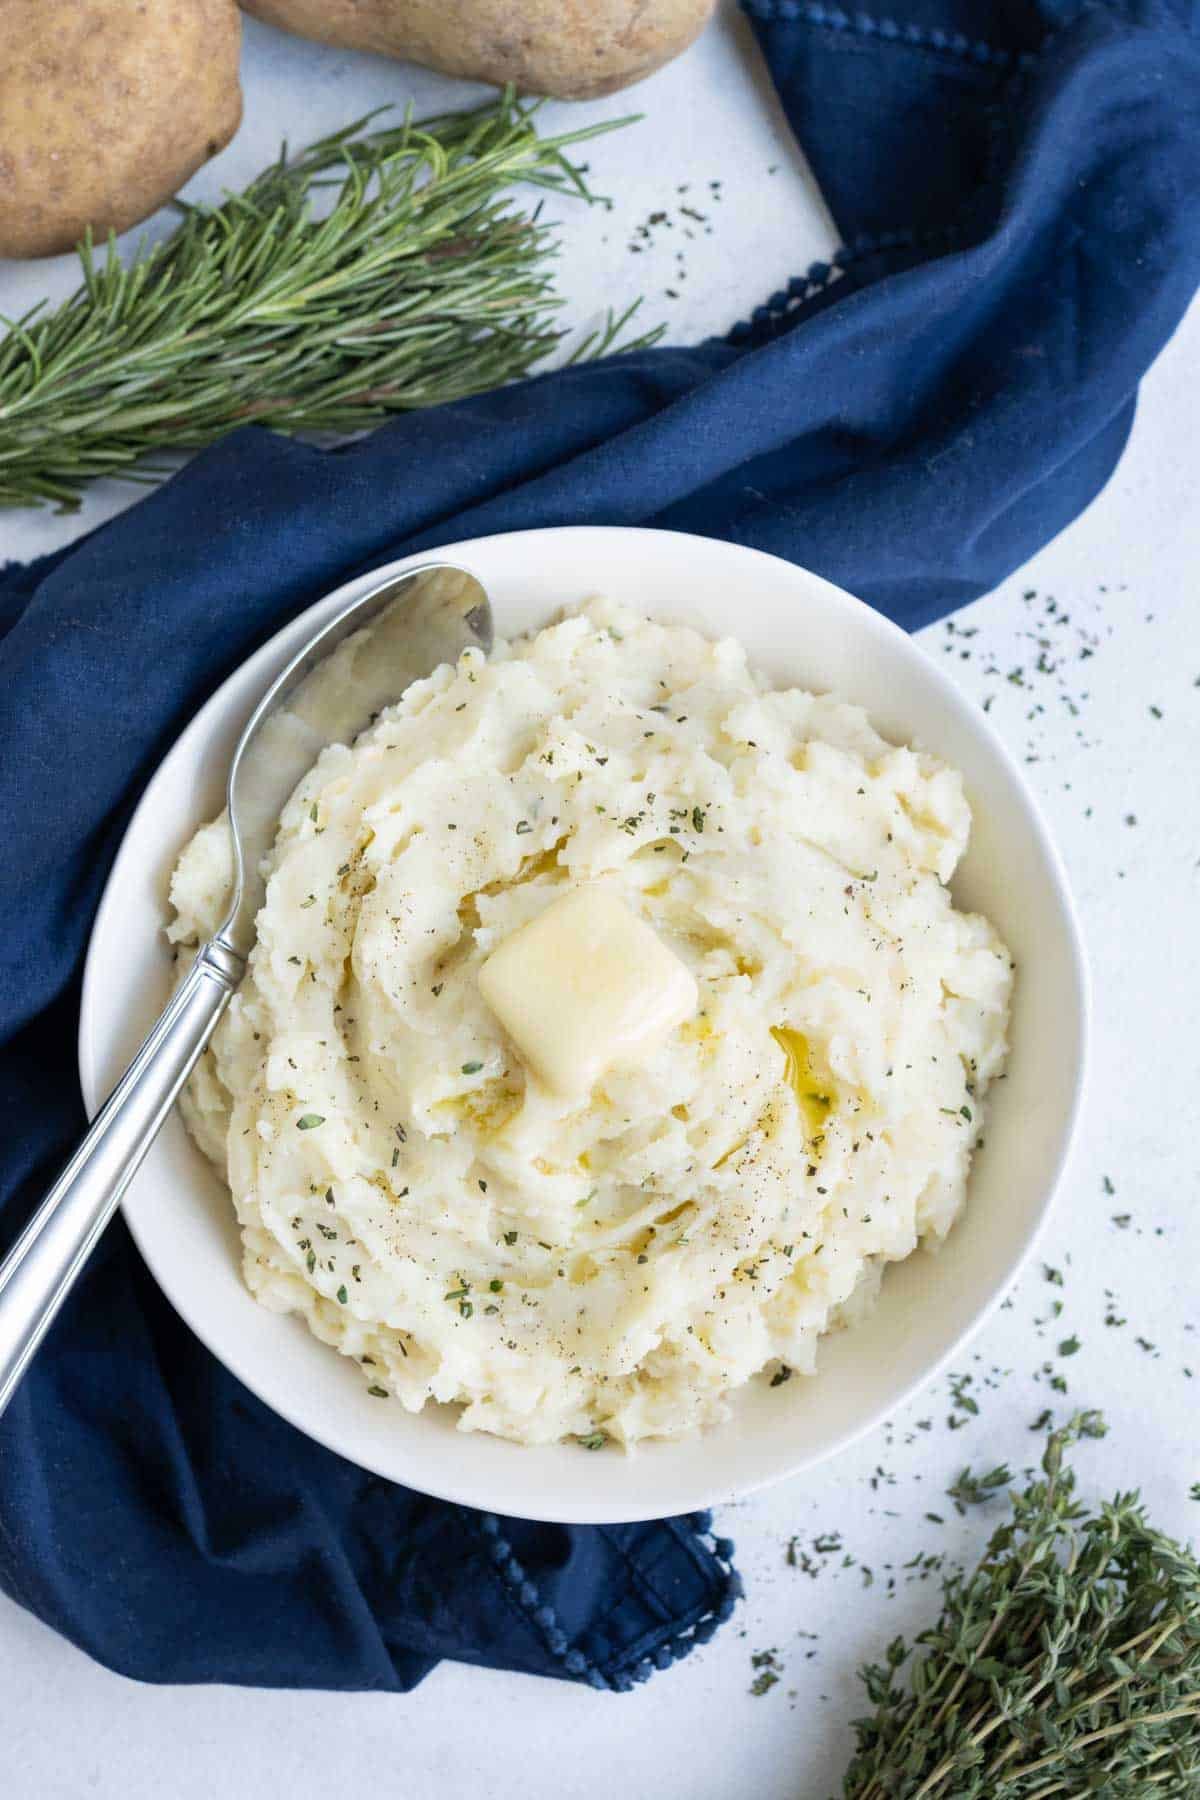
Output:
x=800 y=631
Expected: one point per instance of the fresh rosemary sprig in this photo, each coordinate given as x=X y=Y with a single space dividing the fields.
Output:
x=415 y=280
x=1066 y=1664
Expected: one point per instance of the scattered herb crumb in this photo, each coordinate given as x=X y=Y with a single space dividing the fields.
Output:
x=768 y=1667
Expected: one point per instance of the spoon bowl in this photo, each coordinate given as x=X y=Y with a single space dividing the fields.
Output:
x=348 y=672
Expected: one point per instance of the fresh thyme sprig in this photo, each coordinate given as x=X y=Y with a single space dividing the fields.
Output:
x=1066 y=1664
x=413 y=280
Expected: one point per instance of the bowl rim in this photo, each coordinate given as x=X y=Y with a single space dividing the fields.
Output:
x=713 y=1491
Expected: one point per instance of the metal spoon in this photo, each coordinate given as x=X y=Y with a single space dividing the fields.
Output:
x=361 y=661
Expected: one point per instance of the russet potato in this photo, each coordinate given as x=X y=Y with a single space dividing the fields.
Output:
x=572 y=49
x=106 y=108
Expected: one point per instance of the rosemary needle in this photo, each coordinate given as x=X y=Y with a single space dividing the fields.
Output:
x=375 y=272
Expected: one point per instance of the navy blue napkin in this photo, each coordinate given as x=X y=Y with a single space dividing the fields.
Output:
x=1019 y=189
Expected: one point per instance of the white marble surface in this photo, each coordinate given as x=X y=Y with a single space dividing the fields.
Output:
x=1111 y=718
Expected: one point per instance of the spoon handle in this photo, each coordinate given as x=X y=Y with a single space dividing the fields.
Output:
x=41 y=1268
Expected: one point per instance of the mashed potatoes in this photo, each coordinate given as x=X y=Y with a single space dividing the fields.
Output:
x=612 y=1265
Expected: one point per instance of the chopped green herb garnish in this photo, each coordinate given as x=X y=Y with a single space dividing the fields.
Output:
x=471 y=1068
x=309 y=1121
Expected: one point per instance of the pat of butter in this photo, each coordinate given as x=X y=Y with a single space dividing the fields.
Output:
x=583 y=986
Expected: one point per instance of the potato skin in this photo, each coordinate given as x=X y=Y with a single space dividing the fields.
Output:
x=106 y=108
x=572 y=49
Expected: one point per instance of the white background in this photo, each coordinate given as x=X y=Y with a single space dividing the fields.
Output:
x=1078 y=654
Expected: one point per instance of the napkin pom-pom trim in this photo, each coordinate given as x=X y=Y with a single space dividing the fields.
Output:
x=782 y=307
x=544 y=1619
